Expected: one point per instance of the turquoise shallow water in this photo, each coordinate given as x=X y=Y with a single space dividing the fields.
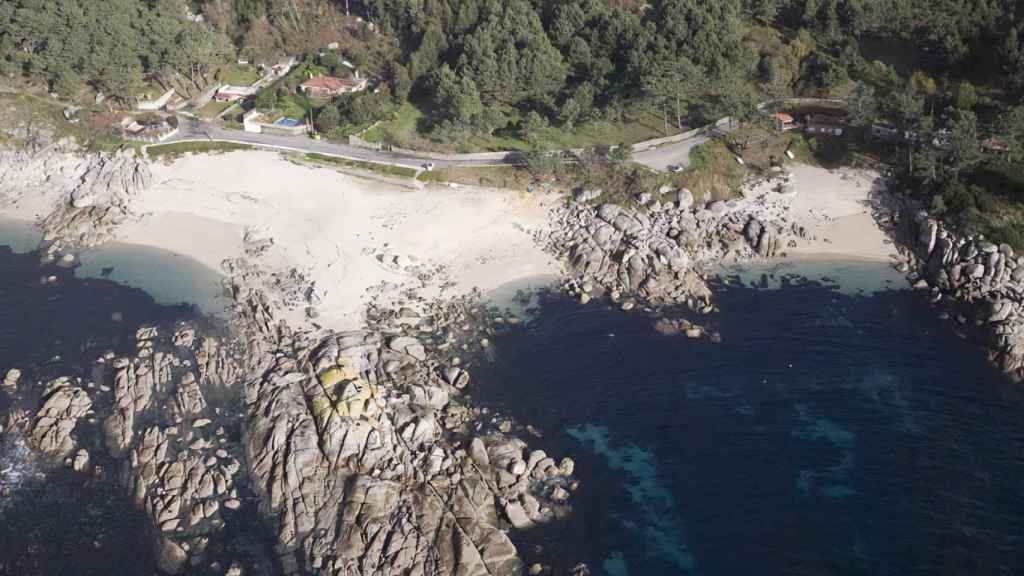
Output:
x=831 y=431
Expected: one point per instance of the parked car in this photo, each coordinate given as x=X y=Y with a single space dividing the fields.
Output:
x=675 y=168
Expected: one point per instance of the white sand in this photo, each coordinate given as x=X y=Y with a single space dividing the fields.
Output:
x=334 y=227
x=835 y=207
x=337 y=229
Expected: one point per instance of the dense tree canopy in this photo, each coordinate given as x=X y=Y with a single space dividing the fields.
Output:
x=486 y=65
x=110 y=45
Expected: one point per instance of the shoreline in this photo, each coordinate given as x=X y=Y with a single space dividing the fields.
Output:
x=339 y=244
x=357 y=242
x=307 y=253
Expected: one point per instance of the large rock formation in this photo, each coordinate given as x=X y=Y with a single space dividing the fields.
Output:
x=981 y=281
x=357 y=474
x=166 y=413
x=86 y=195
x=63 y=404
x=658 y=252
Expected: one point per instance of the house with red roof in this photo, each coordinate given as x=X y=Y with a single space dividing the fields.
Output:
x=332 y=86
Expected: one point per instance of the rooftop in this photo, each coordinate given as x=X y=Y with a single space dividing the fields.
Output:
x=331 y=83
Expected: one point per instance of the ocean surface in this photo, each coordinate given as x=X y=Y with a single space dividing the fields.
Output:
x=838 y=428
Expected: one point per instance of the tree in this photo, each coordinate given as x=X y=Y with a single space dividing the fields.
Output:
x=467 y=107
x=328 y=119
x=966 y=95
x=1012 y=55
x=862 y=106
x=906 y=105
x=621 y=153
x=66 y=82
x=925 y=87
x=1012 y=122
x=532 y=125
x=569 y=113
x=331 y=61
x=401 y=83
x=508 y=56
x=735 y=98
x=539 y=160
x=457 y=97
x=964 y=142
x=267 y=99
x=764 y=11
x=671 y=85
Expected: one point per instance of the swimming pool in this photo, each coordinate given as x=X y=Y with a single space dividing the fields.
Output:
x=289 y=122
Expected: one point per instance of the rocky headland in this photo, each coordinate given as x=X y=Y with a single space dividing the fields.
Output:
x=974 y=282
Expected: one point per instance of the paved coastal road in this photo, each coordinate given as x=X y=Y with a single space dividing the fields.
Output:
x=192 y=129
x=677 y=154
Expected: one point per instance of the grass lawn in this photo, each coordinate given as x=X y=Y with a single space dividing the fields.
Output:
x=400 y=128
x=384 y=169
x=178 y=149
x=36 y=109
x=633 y=129
x=405 y=128
x=240 y=75
x=294 y=106
x=148 y=90
x=211 y=109
x=510 y=177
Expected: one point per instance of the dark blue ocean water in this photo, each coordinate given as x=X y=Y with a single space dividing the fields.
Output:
x=827 y=434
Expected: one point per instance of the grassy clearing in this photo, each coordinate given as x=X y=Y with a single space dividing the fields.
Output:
x=384 y=169
x=713 y=173
x=409 y=127
x=240 y=75
x=92 y=132
x=402 y=127
x=212 y=109
x=510 y=177
x=179 y=149
x=294 y=106
x=148 y=90
x=28 y=109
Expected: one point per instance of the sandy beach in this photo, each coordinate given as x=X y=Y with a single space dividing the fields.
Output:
x=362 y=241
x=835 y=206
x=358 y=240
